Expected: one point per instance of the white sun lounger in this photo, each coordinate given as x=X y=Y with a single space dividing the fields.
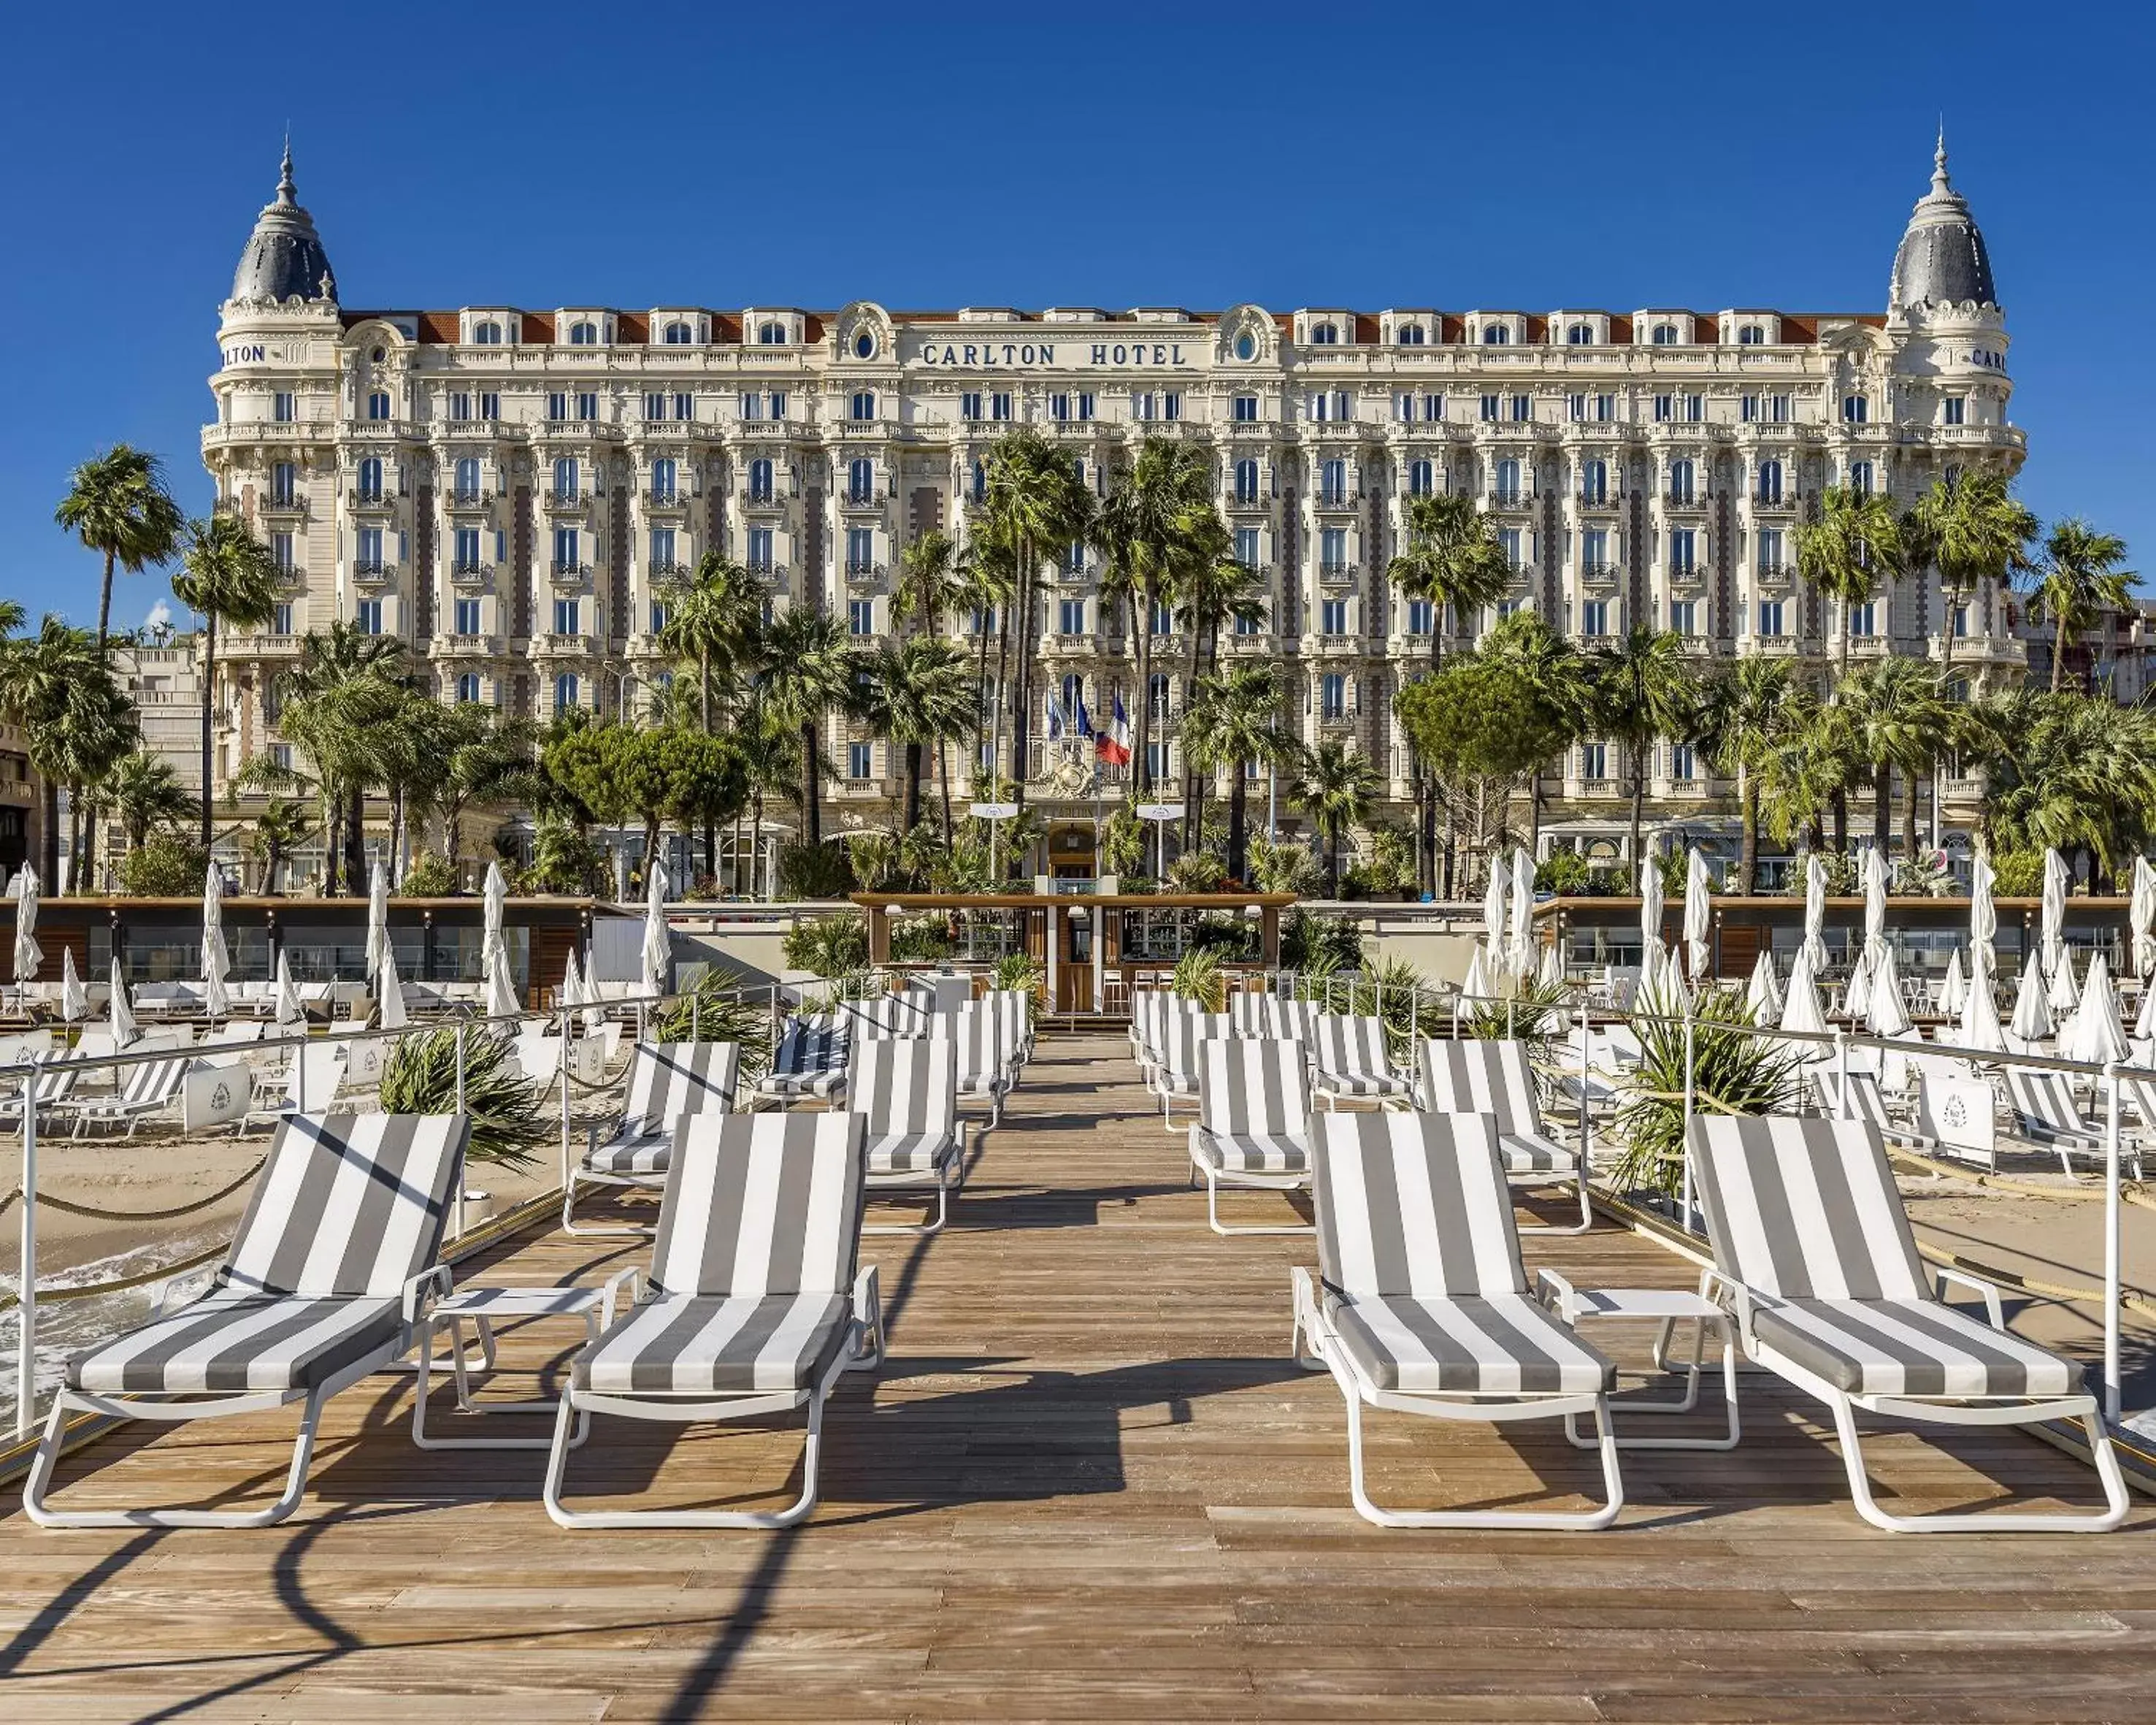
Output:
x=986 y=1069
x=1862 y=1098
x=1253 y=1126
x=809 y=1063
x=747 y=1311
x=2046 y=1114
x=321 y=1286
x=904 y=1088
x=1420 y=1304
x=1813 y=1254
x=1349 y=1063
x=149 y=1086
x=1174 y=1075
x=666 y=1081
x=1470 y=1075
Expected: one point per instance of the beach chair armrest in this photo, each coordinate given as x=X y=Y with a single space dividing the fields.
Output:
x=437 y=1275
x=868 y=1295
x=1987 y=1291
x=1733 y=1295
x=1555 y=1291
x=633 y=1278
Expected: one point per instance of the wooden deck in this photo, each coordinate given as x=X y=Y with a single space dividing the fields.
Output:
x=1090 y=1485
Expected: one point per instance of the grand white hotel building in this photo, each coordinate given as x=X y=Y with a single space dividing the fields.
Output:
x=508 y=488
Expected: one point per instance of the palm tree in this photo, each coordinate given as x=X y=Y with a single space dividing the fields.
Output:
x=810 y=670
x=1974 y=531
x=1140 y=531
x=987 y=570
x=1746 y=713
x=142 y=791
x=766 y=747
x=1557 y=672
x=935 y=583
x=118 y=506
x=1038 y=503
x=1212 y=588
x=487 y=758
x=1336 y=786
x=714 y=616
x=1897 y=715
x=916 y=695
x=1232 y=721
x=281 y=825
x=36 y=674
x=94 y=729
x=2078 y=580
x=340 y=704
x=1643 y=691
x=1855 y=545
x=1800 y=770
x=228 y=576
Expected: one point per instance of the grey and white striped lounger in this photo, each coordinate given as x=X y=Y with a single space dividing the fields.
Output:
x=1472 y=1075
x=666 y=1080
x=747 y=1311
x=1253 y=1126
x=986 y=1068
x=340 y=1243
x=1174 y=1075
x=809 y=1062
x=1348 y=1062
x=2044 y=1113
x=905 y=1089
x=1813 y=1254
x=1288 y=1018
x=1421 y=1305
x=1013 y=1009
x=150 y=1084
x=1246 y=1009
x=1861 y=1098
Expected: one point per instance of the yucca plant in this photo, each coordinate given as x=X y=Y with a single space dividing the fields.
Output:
x=1733 y=1073
x=508 y=1124
x=1017 y=969
x=1199 y=978
x=1535 y=1014
x=1395 y=992
x=719 y=1009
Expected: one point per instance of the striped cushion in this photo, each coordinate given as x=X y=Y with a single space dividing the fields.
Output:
x=1252 y=1152
x=1289 y=1019
x=823 y=1084
x=1918 y=1347
x=904 y=1084
x=1186 y=1033
x=716 y=1345
x=1349 y=1054
x=1416 y=1205
x=1470 y=1075
x=1805 y=1209
x=1500 y=1344
x=2043 y=1106
x=889 y=1015
x=1861 y=1098
x=1365 y=1084
x=232 y=1343
x=909 y=1152
x=1251 y=1086
x=346 y=1204
x=761 y=1204
x=1531 y=1153
x=673 y=1078
x=632 y=1153
x=1247 y=1013
x=810 y=1050
x=975 y=1032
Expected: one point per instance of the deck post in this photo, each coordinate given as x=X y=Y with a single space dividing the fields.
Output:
x=2113 y=1389
x=26 y=1304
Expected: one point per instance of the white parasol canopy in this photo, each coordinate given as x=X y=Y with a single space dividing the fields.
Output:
x=1523 y=910
x=658 y=950
x=121 y=1019
x=1884 y=1013
x=1475 y=986
x=1800 y=1005
x=389 y=1013
x=1496 y=898
x=2054 y=934
x=1815 y=946
x=75 y=1001
x=377 y=918
x=1875 y=906
x=1979 y=1026
x=1857 y=996
x=2144 y=1026
x=502 y=1002
x=216 y=963
x=2059 y=994
x=1651 y=904
x=1699 y=912
x=1982 y=918
x=289 y=1008
x=29 y=954
x=1954 y=990
x=2032 y=1016
x=2141 y=917
x=2093 y=1033
x=1763 y=994
x=1552 y=967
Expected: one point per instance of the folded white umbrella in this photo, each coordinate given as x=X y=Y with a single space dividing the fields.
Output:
x=1875 y=905
x=1650 y=904
x=576 y=991
x=74 y=999
x=2141 y=916
x=1856 y=998
x=1800 y=1004
x=1552 y=974
x=1884 y=1013
x=1763 y=994
x=658 y=949
x=1954 y=990
x=29 y=954
x=2144 y=1026
x=1523 y=910
x=1699 y=912
x=1496 y=898
x=216 y=962
x=389 y=1013
x=2032 y=1015
x=121 y=1019
x=1979 y=1026
x=377 y=918
x=1476 y=984
x=501 y=1000
x=2059 y=994
x=1814 y=947
x=2094 y=1034
x=289 y=1008
x=2054 y=911
x=1982 y=918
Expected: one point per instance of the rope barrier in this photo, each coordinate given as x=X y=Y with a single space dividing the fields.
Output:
x=2130 y=1191
x=2132 y=1298
x=8 y=1302
x=71 y=1208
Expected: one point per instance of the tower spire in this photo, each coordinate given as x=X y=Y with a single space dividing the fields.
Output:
x=287 y=193
x=1940 y=183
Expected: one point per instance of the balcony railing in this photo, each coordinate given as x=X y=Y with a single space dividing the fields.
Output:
x=1599 y=571
x=470 y=571
x=1776 y=571
x=1778 y=499
x=1338 y=572
x=360 y=497
x=1592 y=500
x=570 y=571
x=1683 y=500
x=567 y=499
x=470 y=500
x=669 y=569
x=665 y=500
x=374 y=571
x=1508 y=500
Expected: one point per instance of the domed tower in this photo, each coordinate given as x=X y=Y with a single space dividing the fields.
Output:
x=1941 y=261
x=284 y=259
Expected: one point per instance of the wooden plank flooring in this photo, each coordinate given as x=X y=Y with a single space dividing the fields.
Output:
x=1089 y=1485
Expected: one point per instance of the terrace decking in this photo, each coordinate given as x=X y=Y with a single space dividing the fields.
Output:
x=1089 y=1484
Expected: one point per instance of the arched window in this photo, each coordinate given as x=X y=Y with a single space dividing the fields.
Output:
x=1856 y=409
x=370 y=480
x=1325 y=335
x=1751 y=336
x=1680 y=481
x=467 y=477
x=1156 y=694
x=1409 y=335
x=1508 y=480
x=771 y=335
x=583 y=334
x=759 y=480
x=860 y=481
x=468 y=686
x=1859 y=478
x=1665 y=335
x=378 y=404
x=664 y=477
x=1246 y=481
x=1770 y=482
x=1420 y=478
x=487 y=333
x=679 y=334
x=980 y=482
x=1580 y=335
x=565 y=478
x=1496 y=335
x=1593 y=482
x=1074 y=697
x=864 y=345
x=863 y=405
x=565 y=691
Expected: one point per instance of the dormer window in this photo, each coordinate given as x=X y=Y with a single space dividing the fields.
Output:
x=1496 y=335
x=1246 y=346
x=864 y=345
x=771 y=335
x=1665 y=335
x=1751 y=336
x=1409 y=335
x=487 y=333
x=678 y=334
x=1325 y=335
x=1579 y=335
x=585 y=334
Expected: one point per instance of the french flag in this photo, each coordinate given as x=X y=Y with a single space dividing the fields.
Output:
x=1112 y=743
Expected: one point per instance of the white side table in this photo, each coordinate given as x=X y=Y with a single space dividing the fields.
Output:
x=1667 y=1308
x=484 y=1307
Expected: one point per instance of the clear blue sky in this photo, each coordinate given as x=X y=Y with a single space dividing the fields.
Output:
x=939 y=156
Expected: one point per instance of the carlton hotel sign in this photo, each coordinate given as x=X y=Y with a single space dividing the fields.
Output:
x=1059 y=353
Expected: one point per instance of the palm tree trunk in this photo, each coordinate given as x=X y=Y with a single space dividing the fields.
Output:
x=1333 y=856
x=2058 y=655
x=710 y=825
x=1193 y=786
x=1002 y=695
x=1638 y=805
x=1237 y=814
x=1882 y=804
x=1022 y=711
x=650 y=843
x=812 y=811
x=51 y=835
x=1839 y=804
x=105 y=607
x=355 y=842
x=755 y=839
x=1141 y=641
x=913 y=786
x=943 y=783
x=1909 y=815
x=1747 y=859
x=209 y=702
